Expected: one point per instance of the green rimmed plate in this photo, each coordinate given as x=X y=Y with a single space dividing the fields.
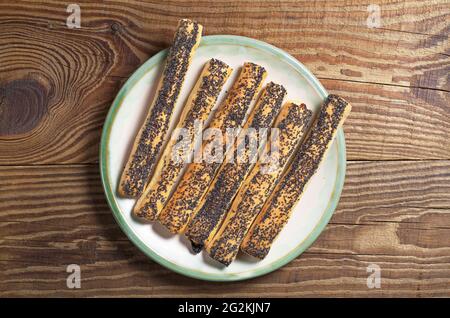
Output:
x=310 y=215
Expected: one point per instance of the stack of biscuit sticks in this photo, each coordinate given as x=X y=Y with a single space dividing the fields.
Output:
x=237 y=201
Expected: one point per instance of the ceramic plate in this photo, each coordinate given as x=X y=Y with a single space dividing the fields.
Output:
x=310 y=215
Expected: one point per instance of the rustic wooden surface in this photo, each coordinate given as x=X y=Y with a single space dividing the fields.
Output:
x=56 y=85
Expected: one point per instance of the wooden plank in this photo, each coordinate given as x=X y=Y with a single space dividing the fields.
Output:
x=311 y=275
x=394 y=123
x=411 y=48
x=56 y=86
x=393 y=214
x=57 y=83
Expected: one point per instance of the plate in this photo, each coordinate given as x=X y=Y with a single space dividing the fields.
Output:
x=127 y=112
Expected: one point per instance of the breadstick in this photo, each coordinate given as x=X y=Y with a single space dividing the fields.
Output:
x=226 y=184
x=198 y=107
x=149 y=140
x=276 y=211
x=292 y=123
x=198 y=176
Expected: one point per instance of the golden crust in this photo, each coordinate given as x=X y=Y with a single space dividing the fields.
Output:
x=150 y=138
x=292 y=122
x=217 y=201
x=198 y=176
x=276 y=211
x=198 y=107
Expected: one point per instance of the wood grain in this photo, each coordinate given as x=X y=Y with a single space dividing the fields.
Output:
x=394 y=123
x=394 y=214
x=57 y=83
x=56 y=86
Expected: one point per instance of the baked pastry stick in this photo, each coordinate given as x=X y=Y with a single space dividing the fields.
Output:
x=292 y=123
x=198 y=107
x=215 y=204
x=195 y=181
x=151 y=136
x=276 y=211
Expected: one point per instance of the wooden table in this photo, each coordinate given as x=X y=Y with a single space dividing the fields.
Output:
x=56 y=86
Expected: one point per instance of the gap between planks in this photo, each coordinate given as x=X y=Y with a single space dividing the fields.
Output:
x=96 y=163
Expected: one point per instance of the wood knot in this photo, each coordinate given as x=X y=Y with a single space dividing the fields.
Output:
x=116 y=27
x=23 y=103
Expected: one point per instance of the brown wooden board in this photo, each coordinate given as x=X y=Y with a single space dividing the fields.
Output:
x=56 y=86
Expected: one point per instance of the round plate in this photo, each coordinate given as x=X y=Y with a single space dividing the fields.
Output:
x=310 y=215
